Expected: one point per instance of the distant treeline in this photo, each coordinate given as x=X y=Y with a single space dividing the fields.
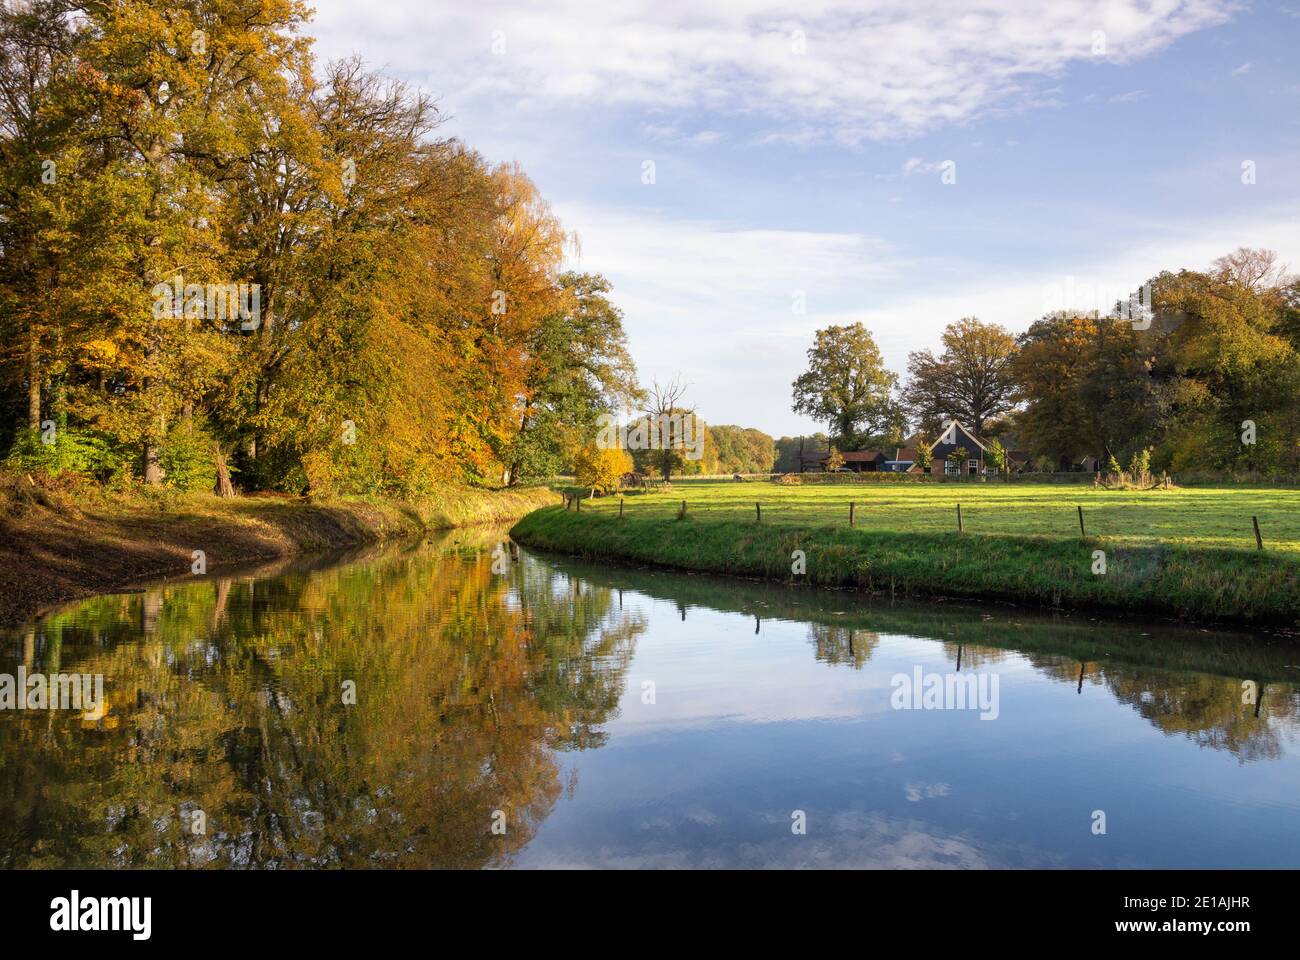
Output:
x=1199 y=372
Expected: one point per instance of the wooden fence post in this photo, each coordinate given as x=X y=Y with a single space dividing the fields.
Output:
x=682 y=515
x=959 y=526
x=620 y=508
x=758 y=512
x=577 y=504
x=1259 y=541
x=1083 y=533
x=851 y=513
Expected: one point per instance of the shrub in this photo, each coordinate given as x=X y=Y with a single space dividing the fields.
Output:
x=68 y=452
x=601 y=469
x=186 y=459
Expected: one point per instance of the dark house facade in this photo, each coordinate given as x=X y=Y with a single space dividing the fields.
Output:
x=953 y=437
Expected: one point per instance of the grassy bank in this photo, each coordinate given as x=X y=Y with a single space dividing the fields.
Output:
x=1200 y=583
x=60 y=543
x=1194 y=517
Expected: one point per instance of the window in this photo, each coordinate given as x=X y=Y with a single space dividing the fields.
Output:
x=952 y=468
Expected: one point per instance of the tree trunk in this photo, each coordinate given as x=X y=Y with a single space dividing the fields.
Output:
x=153 y=471
x=223 y=488
x=33 y=382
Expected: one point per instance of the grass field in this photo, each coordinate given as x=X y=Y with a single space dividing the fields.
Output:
x=1183 y=553
x=1196 y=516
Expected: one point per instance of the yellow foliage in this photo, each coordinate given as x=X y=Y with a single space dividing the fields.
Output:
x=601 y=469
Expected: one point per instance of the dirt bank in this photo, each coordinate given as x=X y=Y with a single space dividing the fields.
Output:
x=60 y=543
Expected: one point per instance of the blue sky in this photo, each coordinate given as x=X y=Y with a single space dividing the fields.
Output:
x=798 y=152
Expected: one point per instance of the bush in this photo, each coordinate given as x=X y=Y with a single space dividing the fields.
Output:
x=601 y=469
x=186 y=460
x=68 y=452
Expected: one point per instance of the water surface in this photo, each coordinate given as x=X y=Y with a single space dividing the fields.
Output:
x=392 y=708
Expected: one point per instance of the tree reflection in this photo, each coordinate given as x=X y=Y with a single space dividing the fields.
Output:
x=226 y=697
x=1184 y=681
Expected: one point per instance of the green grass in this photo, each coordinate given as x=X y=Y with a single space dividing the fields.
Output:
x=1197 y=516
x=1173 y=553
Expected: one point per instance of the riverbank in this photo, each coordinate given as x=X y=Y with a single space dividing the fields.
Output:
x=62 y=543
x=1190 y=583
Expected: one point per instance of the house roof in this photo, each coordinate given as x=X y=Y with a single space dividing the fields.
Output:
x=950 y=428
x=905 y=454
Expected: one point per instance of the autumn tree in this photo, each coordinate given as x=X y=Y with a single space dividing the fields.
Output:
x=600 y=468
x=1086 y=386
x=970 y=380
x=1229 y=375
x=578 y=368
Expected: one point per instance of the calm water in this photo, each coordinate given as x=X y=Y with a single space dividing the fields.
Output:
x=613 y=717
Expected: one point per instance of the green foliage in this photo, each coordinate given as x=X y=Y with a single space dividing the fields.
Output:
x=743 y=450
x=187 y=460
x=787 y=451
x=848 y=388
x=1139 y=464
x=1220 y=352
x=996 y=455
x=69 y=453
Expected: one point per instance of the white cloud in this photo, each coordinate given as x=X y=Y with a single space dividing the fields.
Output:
x=918 y=165
x=1244 y=68
x=715 y=302
x=670 y=133
x=894 y=68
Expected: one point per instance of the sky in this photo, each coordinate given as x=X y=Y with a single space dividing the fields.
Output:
x=747 y=173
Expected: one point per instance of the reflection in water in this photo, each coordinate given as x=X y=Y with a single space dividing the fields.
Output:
x=226 y=697
x=380 y=709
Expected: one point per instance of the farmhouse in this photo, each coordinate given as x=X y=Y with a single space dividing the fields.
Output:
x=953 y=437
x=813 y=458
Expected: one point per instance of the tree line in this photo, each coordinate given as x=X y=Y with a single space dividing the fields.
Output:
x=220 y=256
x=1200 y=374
